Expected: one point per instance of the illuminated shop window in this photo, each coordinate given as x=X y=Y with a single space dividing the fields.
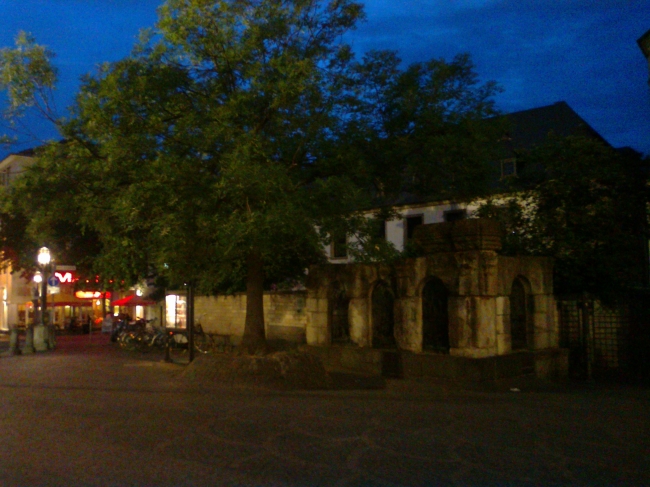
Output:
x=176 y=309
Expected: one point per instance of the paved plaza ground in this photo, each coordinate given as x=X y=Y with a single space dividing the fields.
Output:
x=88 y=414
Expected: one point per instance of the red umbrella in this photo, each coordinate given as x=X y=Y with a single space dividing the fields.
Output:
x=133 y=300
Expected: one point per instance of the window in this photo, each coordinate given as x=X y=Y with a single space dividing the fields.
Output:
x=412 y=222
x=339 y=248
x=455 y=215
x=508 y=168
x=176 y=308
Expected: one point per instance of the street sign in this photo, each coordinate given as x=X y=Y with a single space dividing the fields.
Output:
x=53 y=281
x=66 y=267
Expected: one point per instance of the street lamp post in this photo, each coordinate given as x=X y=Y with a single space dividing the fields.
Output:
x=42 y=338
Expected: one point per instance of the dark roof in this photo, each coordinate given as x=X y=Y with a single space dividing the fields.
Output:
x=644 y=44
x=527 y=129
x=27 y=152
x=530 y=128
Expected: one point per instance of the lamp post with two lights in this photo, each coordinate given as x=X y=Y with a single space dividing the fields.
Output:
x=43 y=334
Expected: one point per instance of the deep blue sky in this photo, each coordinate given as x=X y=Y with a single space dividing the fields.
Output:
x=540 y=51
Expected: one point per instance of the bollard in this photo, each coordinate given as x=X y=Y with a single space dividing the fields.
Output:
x=168 y=357
x=14 y=341
x=51 y=337
x=28 y=347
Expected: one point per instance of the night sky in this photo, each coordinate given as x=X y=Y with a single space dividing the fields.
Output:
x=583 y=52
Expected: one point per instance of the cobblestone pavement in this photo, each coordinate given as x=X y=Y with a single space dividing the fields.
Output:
x=88 y=414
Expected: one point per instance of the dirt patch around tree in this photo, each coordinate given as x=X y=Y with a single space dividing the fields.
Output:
x=285 y=370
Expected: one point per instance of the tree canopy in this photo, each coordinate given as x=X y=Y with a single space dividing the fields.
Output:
x=583 y=203
x=240 y=135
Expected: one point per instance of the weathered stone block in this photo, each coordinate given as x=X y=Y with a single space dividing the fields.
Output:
x=359 y=322
x=470 y=234
x=431 y=239
x=504 y=343
x=502 y=305
x=476 y=234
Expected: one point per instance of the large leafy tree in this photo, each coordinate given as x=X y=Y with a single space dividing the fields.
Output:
x=583 y=203
x=427 y=126
x=206 y=151
x=240 y=135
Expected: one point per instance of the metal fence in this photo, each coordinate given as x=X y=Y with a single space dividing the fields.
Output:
x=605 y=341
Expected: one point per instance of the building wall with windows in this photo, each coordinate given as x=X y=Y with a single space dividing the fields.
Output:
x=15 y=291
x=400 y=230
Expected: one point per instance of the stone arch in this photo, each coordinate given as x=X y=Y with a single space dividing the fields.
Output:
x=383 y=316
x=521 y=314
x=339 y=322
x=435 y=316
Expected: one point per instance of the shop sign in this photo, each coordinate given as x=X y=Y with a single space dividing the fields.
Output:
x=92 y=294
x=65 y=276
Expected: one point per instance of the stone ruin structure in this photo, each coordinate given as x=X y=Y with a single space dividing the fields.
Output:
x=460 y=312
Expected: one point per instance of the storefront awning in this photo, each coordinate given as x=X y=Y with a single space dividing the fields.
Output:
x=63 y=299
x=133 y=300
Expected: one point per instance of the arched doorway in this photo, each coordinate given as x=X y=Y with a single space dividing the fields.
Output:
x=339 y=322
x=435 y=316
x=520 y=313
x=383 y=320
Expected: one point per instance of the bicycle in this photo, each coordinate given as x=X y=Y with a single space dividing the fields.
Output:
x=125 y=336
x=202 y=341
x=149 y=335
x=176 y=343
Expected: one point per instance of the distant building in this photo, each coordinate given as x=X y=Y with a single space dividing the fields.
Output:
x=527 y=129
x=644 y=44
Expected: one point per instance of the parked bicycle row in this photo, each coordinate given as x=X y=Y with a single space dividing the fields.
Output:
x=147 y=335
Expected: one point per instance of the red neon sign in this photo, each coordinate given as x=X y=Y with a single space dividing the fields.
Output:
x=65 y=276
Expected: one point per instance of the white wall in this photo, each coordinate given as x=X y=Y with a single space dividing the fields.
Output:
x=395 y=229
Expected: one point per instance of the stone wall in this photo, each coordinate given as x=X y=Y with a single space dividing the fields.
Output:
x=463 y=256
x=284 y=315
x=463 y=275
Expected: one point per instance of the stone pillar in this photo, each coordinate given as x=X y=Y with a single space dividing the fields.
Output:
x=14 y=340
x=51 y=337
x=502 y=324
x=408 y=321
x=545 y=324
x=473 y=333
x=359 y=322
x=40 y=337
x=317 y=317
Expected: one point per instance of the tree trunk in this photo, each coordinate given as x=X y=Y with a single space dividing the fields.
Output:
x=254 y=339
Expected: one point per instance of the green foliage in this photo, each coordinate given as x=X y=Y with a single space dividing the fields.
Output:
x=586 y=207
x=28 y=78
x=424 y=127
x=243 y=133
x=207 y=144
